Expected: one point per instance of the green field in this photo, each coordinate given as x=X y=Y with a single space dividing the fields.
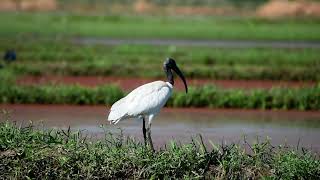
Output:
x=62 y=57
x=63 y=24
x=43 y=42
x=44 y=45
x=27 y=153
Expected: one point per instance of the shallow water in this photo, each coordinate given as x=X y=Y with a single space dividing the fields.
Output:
x=282 y=127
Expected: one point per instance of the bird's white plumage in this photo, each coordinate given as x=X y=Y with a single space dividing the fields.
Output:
x=146 y=100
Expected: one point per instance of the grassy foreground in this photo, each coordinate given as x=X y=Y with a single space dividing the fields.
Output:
x=61 y=24
x=207 y=96
x=27 y=153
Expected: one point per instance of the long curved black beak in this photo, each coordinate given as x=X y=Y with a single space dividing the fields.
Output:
x=180 y=74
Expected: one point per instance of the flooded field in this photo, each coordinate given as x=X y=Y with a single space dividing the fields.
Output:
x=291 y=128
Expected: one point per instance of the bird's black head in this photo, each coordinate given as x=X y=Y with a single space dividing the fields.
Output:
x=170 y=64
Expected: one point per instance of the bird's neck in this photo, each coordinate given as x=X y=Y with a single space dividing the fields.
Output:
x=169 y=75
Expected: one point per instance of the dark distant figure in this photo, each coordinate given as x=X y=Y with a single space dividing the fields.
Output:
x=10 y=56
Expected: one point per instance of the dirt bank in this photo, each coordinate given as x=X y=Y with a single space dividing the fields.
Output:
x=128 y=83
x=28 y=5
x=286 y=8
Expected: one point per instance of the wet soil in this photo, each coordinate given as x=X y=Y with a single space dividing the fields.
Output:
x=127 y=83
x=208 y=43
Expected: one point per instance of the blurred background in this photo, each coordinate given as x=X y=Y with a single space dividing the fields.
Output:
x=221 y=39
x=263 y=8
x=253 y=65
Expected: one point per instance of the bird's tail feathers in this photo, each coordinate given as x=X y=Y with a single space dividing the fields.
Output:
x=117 y=112
x=115 y=116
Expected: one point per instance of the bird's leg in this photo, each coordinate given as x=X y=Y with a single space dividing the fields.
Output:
x=144 y=131
x=149 y=137
x=149 y=132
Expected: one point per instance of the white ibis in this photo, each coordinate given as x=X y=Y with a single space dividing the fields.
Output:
x=146 y=100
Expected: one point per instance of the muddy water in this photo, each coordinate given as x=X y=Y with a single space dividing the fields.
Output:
x=282 y=127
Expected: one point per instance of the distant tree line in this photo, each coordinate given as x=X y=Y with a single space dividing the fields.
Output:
x=209 y=2
x=236 y=3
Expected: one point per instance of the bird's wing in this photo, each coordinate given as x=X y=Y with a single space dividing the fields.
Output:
x=149 y=99
x=146 y=99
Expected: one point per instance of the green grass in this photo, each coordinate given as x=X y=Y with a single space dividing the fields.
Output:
x=40 y=56
x=39 y=49
x=28 y=153
x=276 y=98
x=59 y=94
x=62 y=24
x=207 y=96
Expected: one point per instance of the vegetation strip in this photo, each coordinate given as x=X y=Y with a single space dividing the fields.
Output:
x=29 y=153
x=55 y=57
x=207 y=96
x=30 y=49
x=158 y=26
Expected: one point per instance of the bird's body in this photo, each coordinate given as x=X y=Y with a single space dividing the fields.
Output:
x=146 y=100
